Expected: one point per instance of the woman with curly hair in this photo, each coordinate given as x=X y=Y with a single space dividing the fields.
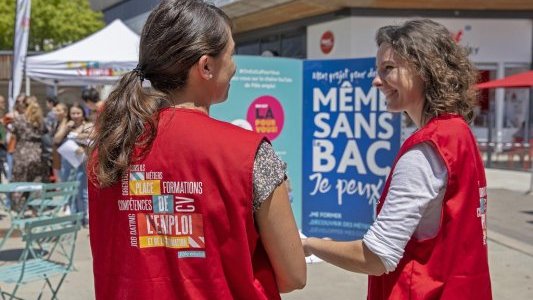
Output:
x=429 y=238
x=28 y=129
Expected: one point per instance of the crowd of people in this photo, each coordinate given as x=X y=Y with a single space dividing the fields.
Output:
x=30 y=139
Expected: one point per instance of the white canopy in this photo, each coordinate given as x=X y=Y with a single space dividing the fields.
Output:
x=100 y=58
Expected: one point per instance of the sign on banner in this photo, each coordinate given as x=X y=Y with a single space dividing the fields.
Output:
x=266 y=97
x=349 y=143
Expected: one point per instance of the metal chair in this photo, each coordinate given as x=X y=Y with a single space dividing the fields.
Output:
x=39 y=260
x=53 y=197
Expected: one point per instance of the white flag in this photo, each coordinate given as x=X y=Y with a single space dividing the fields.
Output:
x=20 y=47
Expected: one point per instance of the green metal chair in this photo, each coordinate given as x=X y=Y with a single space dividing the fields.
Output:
x=53 y=197
x=39 y=260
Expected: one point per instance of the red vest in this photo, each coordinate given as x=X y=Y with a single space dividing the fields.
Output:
x=454 y=264
x=179 y=225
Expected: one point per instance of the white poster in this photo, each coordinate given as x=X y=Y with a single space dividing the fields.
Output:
x=70 y=151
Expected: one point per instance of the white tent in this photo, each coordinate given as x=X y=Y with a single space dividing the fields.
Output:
x=100 y=58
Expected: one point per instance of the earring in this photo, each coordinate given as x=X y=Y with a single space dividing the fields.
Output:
x=210 y=76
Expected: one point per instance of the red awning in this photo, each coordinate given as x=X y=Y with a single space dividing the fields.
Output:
x=522 y=80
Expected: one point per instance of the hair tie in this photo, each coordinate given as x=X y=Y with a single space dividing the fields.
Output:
x=138 y=70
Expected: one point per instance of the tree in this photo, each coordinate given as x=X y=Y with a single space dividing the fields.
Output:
x=54 y=23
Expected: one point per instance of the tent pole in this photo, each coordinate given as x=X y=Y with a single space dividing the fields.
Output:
x=528 y=128
x=27 y=83
x=500 y=109
x=528 y=139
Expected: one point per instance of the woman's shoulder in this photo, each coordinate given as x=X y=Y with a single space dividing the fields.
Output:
x=241 y=131
x=86 y=126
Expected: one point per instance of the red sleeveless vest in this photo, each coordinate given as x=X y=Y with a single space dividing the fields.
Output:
x=179 y=225
x=454 y=264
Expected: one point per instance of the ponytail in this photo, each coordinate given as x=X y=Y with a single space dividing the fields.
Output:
x=128 y=120
x=128 y=123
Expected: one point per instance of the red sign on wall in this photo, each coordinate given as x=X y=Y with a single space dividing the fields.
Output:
x=327 y=41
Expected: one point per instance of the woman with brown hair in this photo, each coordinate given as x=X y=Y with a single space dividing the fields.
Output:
x=184 y=206
x=77 y=129
x=429 y=238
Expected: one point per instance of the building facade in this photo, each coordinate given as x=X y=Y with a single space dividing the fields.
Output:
x=498 y=34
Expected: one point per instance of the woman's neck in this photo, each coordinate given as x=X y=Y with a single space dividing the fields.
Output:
x=415 y=112
x=189 y=98
x=191 y=105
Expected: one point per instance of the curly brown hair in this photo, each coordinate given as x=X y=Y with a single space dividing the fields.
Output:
x=448 y=75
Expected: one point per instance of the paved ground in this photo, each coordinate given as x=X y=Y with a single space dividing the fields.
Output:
x=510 y=221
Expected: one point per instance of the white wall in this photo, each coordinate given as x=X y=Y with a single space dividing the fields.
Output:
x=342 y=36
x=491 y=40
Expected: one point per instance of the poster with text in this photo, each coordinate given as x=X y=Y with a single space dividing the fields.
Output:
x=266 y=96
x=349 y=144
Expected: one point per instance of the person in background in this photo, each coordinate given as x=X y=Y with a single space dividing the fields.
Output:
x=32 y=98
x=207 y=214
x=61 y=115
x=3 y=140
x=77 y=129
x=28 y=130
x=429 y=238
x=50 y=122
x=91 y=99
x=19 y=109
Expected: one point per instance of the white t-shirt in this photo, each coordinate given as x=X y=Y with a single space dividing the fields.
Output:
x=413 y=205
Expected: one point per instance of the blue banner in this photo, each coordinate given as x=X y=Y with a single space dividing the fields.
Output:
x=266 y=96
x=349 y=143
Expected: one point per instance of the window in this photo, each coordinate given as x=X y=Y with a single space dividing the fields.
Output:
x=287 y=44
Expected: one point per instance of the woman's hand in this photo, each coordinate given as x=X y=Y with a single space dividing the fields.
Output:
x=70 y=124
x=62 y=131
x=307 y=248
x=305 y=245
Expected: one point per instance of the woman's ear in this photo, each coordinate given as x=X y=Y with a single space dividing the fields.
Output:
x=205 y=67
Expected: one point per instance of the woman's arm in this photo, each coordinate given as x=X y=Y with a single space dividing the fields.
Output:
x=414 y=198
x=352 y=256
x=62 y=131
x=281 y=240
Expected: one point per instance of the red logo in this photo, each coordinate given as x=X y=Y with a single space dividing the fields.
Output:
x=327 y=41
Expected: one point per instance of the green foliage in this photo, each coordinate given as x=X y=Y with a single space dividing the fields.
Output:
x=54 y=23
x=7 y=19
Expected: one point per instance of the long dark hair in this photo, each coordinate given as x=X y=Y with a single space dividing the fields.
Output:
x=176 y=34
x=449 y=76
